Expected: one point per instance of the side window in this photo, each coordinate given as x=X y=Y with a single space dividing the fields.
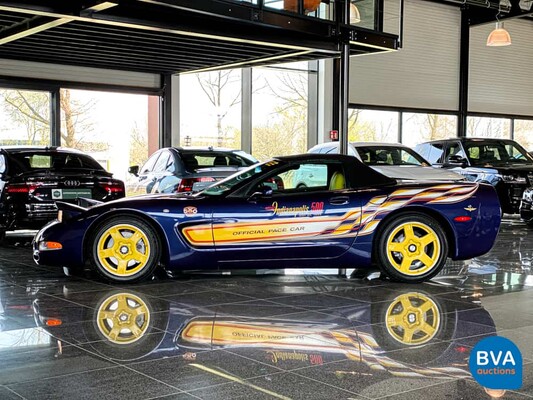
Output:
x=435 y=153
x=171 y=164
x=2 y=164
x=149 y=165
x=307 y=178
x=162 y=162
x=454 y=149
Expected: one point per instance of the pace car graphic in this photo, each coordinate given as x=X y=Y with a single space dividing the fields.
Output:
x=351 y=224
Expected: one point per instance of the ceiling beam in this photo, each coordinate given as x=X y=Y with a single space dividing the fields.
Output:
x=38 y=24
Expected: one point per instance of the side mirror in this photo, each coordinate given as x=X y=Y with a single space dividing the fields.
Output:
x=134 y=169
x=456 y=161
x=264 y=191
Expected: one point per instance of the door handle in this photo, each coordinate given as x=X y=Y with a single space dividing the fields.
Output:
x=339 y=200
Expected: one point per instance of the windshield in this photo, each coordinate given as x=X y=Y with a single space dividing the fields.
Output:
x=233 y=181
x=496 y=152
x=390 y=155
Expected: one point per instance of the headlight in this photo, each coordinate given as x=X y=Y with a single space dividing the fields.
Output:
x=512 y=178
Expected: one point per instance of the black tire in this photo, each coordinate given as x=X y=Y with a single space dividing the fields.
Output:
x=138 y=336
x=419 y=256
x=433 y=324
x=134 y=258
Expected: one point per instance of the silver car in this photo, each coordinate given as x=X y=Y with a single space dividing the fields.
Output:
x=391 y=159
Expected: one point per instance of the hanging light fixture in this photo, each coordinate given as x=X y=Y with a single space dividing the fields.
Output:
x=499 y=36
x=355 y=15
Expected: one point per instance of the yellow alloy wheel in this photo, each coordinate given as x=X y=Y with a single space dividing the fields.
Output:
x=123 y=250
x=413 y=319
x=413 y=248
x=123 y=318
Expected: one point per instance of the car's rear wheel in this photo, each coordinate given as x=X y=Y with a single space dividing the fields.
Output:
x=412 y=248
x=125 y=249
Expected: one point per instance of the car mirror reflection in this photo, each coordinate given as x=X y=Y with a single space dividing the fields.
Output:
x=456 y=161
x=134 y=170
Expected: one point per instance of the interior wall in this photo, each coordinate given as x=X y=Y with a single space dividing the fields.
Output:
x=500 y=80
x=424 y=73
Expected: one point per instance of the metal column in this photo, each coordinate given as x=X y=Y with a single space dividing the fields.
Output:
x=464 y=61
x=165 y=138
x=246 y=110
x=55 y=117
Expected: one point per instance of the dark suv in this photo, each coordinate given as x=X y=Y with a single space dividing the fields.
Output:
x=501 y=162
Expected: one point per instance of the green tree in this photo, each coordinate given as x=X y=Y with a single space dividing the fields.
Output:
x=281 y=136
x=32 y=111
x=219 y=87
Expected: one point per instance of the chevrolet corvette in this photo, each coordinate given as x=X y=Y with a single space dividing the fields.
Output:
x=352 y=217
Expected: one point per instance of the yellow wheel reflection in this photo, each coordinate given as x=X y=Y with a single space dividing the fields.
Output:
x=413 y=319
x=413 y=248
x=123 y=250
x=123 y=318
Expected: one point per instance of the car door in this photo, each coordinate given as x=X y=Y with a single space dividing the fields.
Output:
x=283 y=218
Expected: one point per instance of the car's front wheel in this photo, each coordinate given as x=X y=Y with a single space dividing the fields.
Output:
x=412 y=248
x=125 y=249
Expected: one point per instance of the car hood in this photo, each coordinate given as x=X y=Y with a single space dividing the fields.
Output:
x=412 y=172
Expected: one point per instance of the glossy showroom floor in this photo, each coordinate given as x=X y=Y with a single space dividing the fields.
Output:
x=261 y=337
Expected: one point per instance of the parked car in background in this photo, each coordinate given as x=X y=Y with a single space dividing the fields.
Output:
x=393 y=160
x=32 y=179
x=501 y=162
x=176 y=169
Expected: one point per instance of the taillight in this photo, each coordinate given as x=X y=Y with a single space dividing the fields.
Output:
x=19 y=188
x=113 y=187
x=187 y=184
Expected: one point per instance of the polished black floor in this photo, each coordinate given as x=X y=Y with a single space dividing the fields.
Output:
x=269 y=336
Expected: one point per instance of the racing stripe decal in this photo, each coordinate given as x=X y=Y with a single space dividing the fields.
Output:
x=351 y=224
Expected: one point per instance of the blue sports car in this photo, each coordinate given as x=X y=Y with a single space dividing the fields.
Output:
x=261 y=217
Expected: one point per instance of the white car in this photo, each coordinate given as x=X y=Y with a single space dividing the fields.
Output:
x=391 y=159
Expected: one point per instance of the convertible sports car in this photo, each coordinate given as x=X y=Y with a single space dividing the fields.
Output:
x=259 y=218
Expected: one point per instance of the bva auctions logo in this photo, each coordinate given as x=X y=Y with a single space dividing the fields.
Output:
x=496 y=363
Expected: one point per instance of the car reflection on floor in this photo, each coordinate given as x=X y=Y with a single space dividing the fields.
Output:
x=127 y=325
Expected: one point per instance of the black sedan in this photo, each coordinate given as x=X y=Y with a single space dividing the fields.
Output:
x=32 y=179
x=186 y=170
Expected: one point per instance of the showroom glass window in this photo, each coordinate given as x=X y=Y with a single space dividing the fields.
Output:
x=498 y=128
x=24 y=117
x=210 y=109
x=372 y=126
x=279 y=110
x=420 y=127
x=116 y=129
x=523 y=133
